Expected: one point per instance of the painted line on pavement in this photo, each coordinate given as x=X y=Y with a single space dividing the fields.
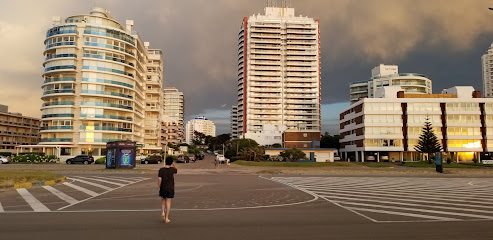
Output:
x=101 y=180
x=34 y=203
x=404 y=214
x=91 y=183
x=1 y=208
x=84 y=190
x=60 y=195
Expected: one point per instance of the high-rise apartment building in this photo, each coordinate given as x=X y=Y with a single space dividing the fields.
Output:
x=487 y=67
x=173 y=109
x=98 y=78
x=234 y=122
x=278 y=72
x=388 y=75
x=154 y=101
x=16 y=130
x=199 y=124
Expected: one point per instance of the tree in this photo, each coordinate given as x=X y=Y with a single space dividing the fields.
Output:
x=428 y=142
x=276 y=145
x=328 y=141
x=199 y=138
x=293 y=154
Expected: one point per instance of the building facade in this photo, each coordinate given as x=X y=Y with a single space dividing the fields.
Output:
x=268 y=136
x=97 y=77
x=487 y=67
x=278 y=71
x=170 y=131
x=16 y=130
x=199 y=124
x=388 y=128
x=388 y=75
x=174 y=109
x=234 y=122
x=154 y=101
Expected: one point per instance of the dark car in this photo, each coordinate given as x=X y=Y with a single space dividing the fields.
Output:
x=154 y=159
x=83 y=158
x=183 y=159
x=199 y=156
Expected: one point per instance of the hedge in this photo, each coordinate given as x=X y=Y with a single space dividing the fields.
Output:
x=34 y=158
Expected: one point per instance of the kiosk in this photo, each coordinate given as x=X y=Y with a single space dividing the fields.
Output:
x=120 y=154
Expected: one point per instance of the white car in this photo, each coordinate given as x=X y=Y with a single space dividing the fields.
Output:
x=4 y=160
x=220 y=158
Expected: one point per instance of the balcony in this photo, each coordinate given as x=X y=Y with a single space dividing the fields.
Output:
x=104 y=128
x=113 y=117
x=60 y=56
x=64 y=103
x=62 y=79
x=266 y=73
x=265 y=35
x=51 y=140
x=60 y=115
x=65 y=67
x=45 y=128
x=59 y=91
x=107 y=93
x=101 y=104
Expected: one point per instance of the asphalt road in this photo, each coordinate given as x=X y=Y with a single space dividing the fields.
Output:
x=228 y=205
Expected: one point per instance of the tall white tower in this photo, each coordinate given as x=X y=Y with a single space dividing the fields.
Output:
x=278 y=71
x=487 y=67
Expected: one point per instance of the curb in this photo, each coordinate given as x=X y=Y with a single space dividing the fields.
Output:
x=35 y=184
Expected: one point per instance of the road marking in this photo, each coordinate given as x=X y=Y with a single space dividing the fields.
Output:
x=117 y=179
x=60 y=195
x=35 y=204
x=91 y=183
x=404 y=214
x=84 y=190
x=1 y=208
x=100 y=180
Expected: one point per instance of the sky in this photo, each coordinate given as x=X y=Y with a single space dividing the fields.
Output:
x=443 y=39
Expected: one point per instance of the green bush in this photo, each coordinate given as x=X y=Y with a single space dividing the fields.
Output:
x=475 y=160
x=100 y=160
x=449 y=160
x=32 y=153
x=6 y=154
x=34 y=158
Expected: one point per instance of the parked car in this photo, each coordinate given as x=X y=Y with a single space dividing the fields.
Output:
x=153 y=159
x=83 y=158
x=192 y=157
x=183 y=159
x=4 y=160
x=200 y=156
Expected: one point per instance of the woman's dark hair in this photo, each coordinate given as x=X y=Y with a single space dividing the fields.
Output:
x=169 y=160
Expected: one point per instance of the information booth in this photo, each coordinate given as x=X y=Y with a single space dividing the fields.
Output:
x=120 y=154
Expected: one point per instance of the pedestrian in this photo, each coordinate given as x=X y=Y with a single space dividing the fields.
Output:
x=166 y=184
x=228 y=162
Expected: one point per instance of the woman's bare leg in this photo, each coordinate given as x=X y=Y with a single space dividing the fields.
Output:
x=168 y=209
x=163 y=208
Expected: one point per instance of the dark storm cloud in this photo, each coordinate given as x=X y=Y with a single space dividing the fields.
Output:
x=442 y=39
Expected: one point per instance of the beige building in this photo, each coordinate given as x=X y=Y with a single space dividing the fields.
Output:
x=173 y=111
x=278 y=72
x=16 y=129
x=101 y=84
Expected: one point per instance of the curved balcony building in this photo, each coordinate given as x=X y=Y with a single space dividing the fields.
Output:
x=388 y=75
x=96 y=78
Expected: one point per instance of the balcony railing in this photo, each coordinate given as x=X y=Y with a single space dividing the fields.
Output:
x=103 y=128
x=60 y=56
x=62 y=79
x=107 y=93
x=56 y=91
x=56 y=139
x=64 y=103
x=56 y=128
x=60 y=68
x=101 y=104
x=107 y=117
x=61 y=115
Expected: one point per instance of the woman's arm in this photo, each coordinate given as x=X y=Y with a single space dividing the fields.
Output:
x=159 y=182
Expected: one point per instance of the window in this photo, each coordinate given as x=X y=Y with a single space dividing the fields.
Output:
x=305 y=134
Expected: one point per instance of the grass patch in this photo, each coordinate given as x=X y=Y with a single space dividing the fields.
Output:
x=292 y=164
x=8 y=177
x=375 y=165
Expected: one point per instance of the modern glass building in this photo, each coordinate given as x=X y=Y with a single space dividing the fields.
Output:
x=98 y=79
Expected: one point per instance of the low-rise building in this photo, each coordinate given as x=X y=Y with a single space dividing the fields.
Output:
x=300 y=138
x=268 y=136
x=388 y=126
x=313 y=154
x=16 y=130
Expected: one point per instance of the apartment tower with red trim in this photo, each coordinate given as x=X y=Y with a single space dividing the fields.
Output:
x=278 y=72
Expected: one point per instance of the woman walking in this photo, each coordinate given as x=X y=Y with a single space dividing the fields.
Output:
x=166 y=184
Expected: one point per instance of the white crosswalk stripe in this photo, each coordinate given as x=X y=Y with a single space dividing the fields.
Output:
x=403 y=199
x=91 y=186
x=34 y=203
x=61 y=195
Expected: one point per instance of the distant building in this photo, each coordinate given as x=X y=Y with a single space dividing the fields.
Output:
x=170 y=131
x=234 y=122
x=154 y=101
x=174 y=108
x=200 y=124
x=387 y=127
x=388 y=75
x=269 y=135
x=278 y=72
x=487 y=67
x=16 y=130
